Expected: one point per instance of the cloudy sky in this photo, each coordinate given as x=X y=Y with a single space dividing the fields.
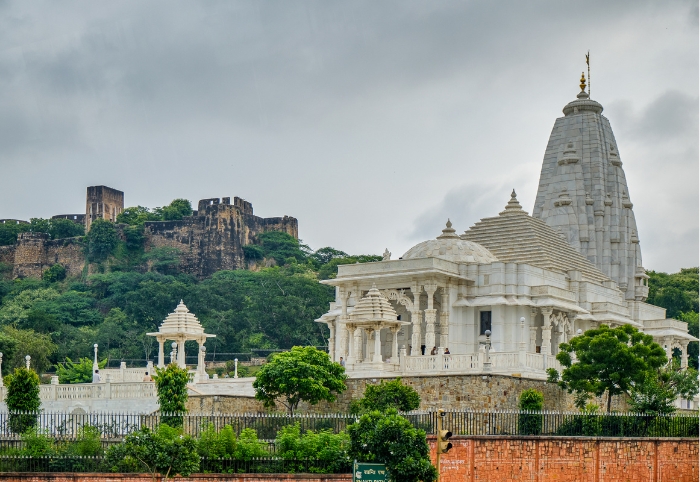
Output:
x=369 y=121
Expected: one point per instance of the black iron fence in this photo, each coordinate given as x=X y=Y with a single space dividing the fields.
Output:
x=114 y=426
x=269 y=465
x=571 y=424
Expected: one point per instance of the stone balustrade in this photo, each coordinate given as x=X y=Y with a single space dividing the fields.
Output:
x=534 y=364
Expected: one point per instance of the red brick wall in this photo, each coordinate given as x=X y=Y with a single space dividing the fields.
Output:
x=549 y=459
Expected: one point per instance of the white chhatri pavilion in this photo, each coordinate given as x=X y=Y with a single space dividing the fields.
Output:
x=181 y=326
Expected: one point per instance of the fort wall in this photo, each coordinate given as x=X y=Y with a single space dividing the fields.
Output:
x=210 y=240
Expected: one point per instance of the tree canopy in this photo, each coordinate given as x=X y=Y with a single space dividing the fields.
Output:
x=390 y=439
x=611 y=360
x=302 y=374
x=386 y=395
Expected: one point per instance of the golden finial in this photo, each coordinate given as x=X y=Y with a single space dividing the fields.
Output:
x=583 y=82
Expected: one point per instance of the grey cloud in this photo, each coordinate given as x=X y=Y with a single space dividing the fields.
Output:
x=330 y=110
x=464 y=206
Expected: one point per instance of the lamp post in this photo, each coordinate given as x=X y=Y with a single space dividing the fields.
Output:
x=27 y=359
x=487 y=349
x=235 y=368
x=95 y=366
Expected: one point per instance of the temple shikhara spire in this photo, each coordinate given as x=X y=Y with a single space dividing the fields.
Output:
x=583 y=194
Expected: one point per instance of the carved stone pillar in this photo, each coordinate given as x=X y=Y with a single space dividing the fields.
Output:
x=684 y=355
x=445 y=318
x=181 y=354
x=352 y=348
x=331 y=339
x=533 y=330
x=416 y=319
x=547 y=331
x=377 y=345
x=430 y=316
x=161 y=352
x=395 y=344
x=368 y=343
x=342 y=329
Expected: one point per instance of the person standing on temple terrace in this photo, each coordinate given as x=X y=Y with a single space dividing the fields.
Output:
x=342 y=362
x=447 y=351
x=433 y=351
x=96 y=377
x=147 y=378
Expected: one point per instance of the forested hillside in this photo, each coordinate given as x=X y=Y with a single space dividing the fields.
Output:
x=134 y=290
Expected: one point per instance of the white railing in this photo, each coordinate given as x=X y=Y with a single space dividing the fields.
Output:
x=476 y=363
x=93 y=391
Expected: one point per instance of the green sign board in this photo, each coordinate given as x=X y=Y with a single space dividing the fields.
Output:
x=362 y=471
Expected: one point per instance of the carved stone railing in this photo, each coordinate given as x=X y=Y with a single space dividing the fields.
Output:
x=477 y=363
x=93 y=391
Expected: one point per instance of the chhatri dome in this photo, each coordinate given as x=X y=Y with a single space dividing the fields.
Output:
x=451 y=247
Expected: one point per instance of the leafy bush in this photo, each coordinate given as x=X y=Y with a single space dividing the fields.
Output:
x=165 y=451
x=171 y=385
x=393 y=394
x=88 y=442
x=530 y=400
x=390 y=439
x=324 y=446
x=80 y=372
x=54 y=273
x=22 y=396
x=36 y=443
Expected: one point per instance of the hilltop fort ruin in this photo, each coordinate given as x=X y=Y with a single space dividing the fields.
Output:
x=209 y=240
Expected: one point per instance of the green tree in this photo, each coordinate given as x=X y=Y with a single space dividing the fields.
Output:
x=165 y=452
x=302 y=374
x=390 y=439
x=136 y=216
x=28 y=342
x=608 y=360
x=9 y=232
x=281 y=246
x=677 y=292
x=77 y=372
x=102 y=239
x=171 y=385
x=177 y=209
x=531 y=400
x=22 y=396
x=54 y=273
x=392 y=394
x=15 y=309
x=660 y=388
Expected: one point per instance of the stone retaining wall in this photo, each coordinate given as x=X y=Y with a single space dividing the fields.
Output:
x=458 y=392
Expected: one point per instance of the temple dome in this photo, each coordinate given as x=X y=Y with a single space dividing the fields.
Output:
x=451 y=247
x=181 y=321
x=374 y=307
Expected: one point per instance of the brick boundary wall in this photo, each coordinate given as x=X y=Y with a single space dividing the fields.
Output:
x=564 y=459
